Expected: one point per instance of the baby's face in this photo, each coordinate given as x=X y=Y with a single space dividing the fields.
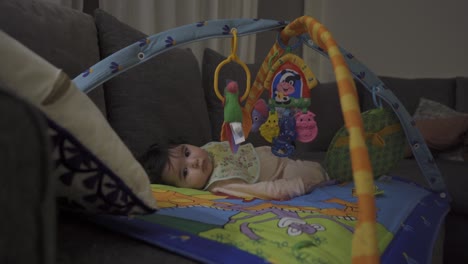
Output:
x=188 y=167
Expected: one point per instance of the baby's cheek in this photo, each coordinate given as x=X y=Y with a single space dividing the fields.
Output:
x=206 y=177
x=200 y=180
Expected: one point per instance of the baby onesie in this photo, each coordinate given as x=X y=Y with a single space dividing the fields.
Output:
x=242 y=165
x=278 y=178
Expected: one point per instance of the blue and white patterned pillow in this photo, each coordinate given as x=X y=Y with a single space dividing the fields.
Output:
x=94 y=169
x=87 y=183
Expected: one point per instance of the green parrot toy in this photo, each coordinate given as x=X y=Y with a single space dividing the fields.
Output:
x=231 y=129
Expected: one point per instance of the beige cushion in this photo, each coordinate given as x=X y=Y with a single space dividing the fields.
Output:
x=95 y=171
x=444 y=129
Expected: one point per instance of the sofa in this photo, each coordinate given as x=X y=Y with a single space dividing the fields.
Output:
x=170 y=95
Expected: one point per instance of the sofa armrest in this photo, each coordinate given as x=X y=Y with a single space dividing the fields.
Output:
x=27 y=228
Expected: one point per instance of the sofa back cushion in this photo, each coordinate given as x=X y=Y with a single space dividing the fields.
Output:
x=461 y=103
x=66 y=38
x=161 y=98
x=26 y=169
x=409 y=91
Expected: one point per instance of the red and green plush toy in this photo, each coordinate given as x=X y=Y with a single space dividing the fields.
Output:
x=231 y=129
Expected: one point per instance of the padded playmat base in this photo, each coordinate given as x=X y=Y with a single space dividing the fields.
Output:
x=314 y=228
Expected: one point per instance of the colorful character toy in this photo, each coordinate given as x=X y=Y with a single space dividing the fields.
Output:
x=283 y=144
x=285 y=87
x=270 y=128
x=259 y=114
x=306 y=126
x=289 y=81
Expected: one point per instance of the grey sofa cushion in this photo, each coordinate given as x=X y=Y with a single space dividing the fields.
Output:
x=26 y=186
x=461 y=103
x=456 y=233
x=65 y=37
x=161 y=98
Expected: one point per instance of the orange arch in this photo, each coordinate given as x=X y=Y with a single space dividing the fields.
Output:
x=364 y=244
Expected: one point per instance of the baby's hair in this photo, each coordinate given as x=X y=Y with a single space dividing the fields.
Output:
x=155 y=159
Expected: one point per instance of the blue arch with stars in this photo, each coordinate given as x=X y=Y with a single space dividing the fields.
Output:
x=151 y=46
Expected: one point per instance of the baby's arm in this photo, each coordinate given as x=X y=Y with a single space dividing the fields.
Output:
x=281 y=189
x=294 y=179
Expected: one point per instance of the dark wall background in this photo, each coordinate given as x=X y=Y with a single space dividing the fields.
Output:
x=278 y=10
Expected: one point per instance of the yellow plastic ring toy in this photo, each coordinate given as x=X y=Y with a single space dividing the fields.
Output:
x=232 y=57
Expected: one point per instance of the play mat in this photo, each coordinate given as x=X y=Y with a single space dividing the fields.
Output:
x=314 y=228
x=361 y=220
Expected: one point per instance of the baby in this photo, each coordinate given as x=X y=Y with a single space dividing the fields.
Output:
x=251 y=172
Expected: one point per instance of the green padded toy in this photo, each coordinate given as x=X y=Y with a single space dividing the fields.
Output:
x=385 y=141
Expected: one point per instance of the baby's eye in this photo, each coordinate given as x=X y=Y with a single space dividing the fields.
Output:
x=187 y=152
x=184 y=172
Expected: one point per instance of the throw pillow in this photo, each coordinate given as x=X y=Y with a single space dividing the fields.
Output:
x=95 y=171
x=444 y=129
x=443 y=133
x=428 y=109
x=160 y=98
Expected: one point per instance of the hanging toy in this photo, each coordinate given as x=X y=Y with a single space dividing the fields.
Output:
x=270 y=128
x=232 y=125
x=232 y=129
x=283 y=144
x=286 y=87
x=289 y=81
x=306 y=126
x=259 y=114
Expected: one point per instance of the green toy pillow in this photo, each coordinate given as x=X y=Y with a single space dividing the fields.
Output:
x=385 y=140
